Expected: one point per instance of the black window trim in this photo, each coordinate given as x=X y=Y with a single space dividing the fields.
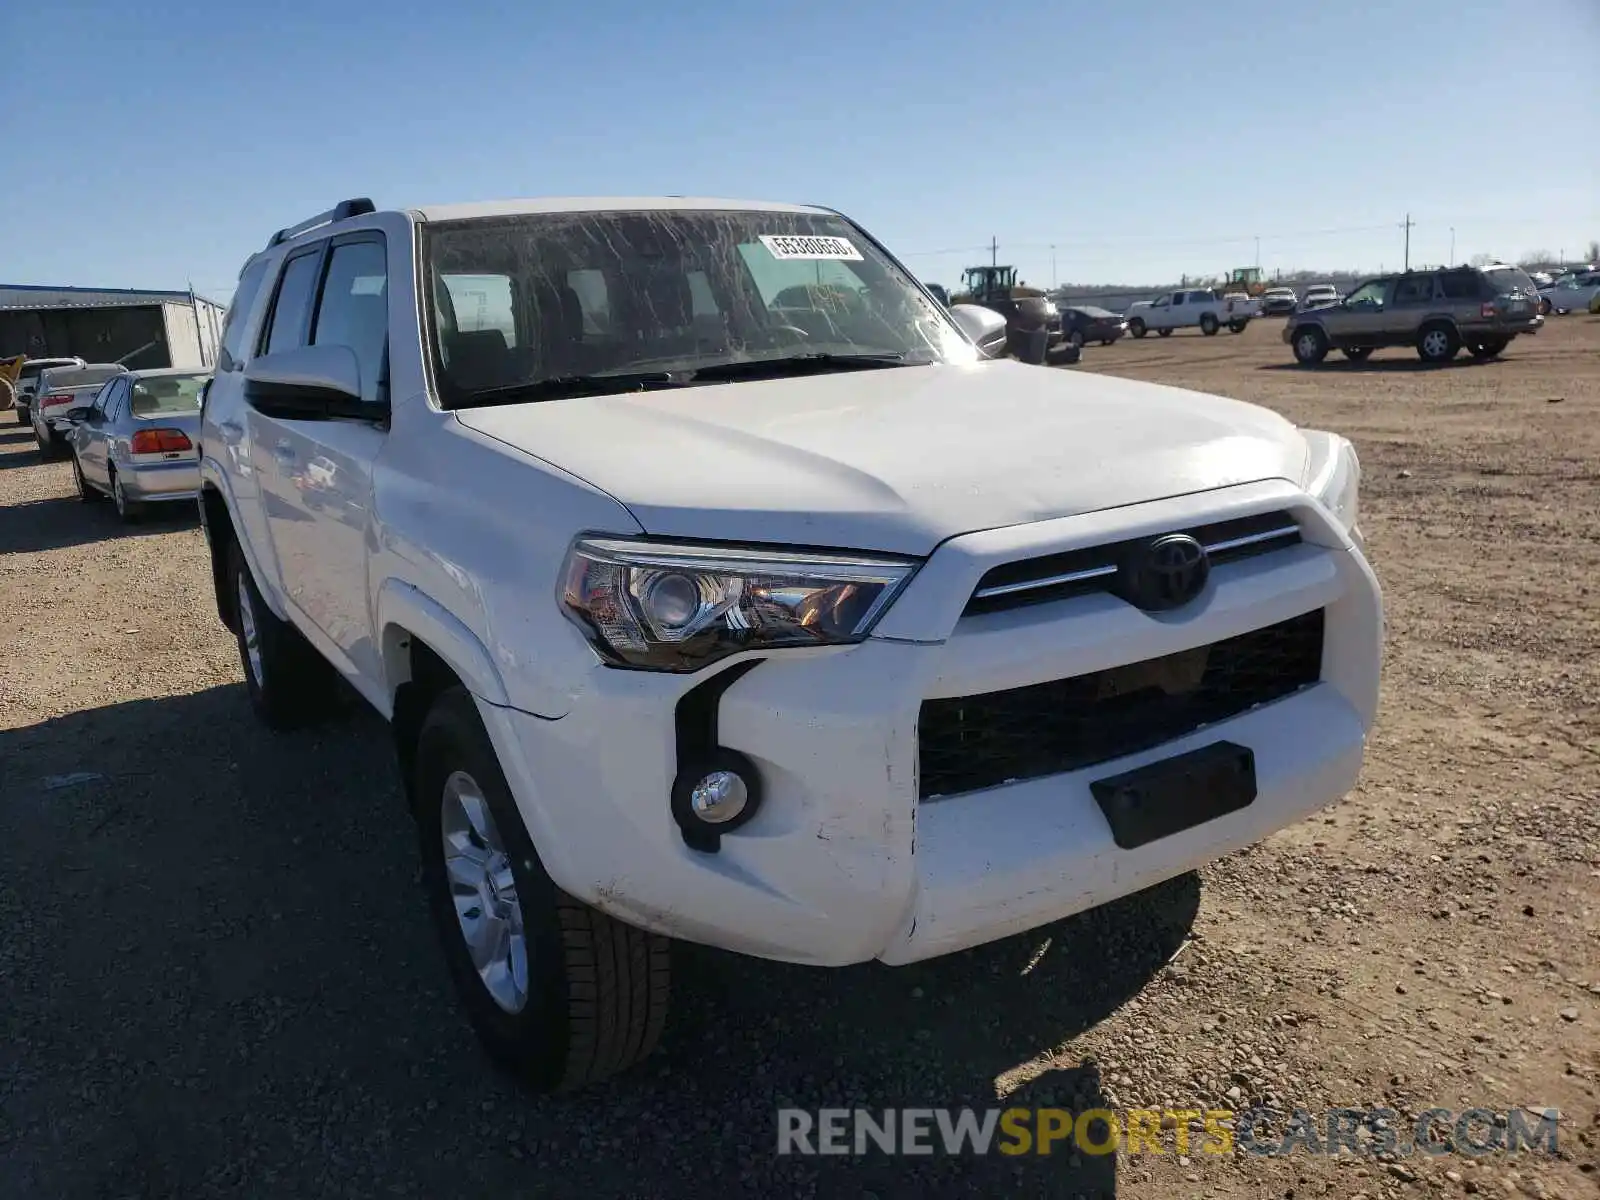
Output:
x=318 y=251
x=314 y=310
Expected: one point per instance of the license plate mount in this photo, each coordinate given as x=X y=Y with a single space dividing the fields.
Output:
x=1170 y=795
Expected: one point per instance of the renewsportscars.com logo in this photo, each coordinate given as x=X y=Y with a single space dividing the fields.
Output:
x=1364 y=1132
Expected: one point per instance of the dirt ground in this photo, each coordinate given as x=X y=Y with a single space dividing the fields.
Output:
x=216 y=975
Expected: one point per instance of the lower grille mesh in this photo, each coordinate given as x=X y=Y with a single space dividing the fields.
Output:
x=972 y=742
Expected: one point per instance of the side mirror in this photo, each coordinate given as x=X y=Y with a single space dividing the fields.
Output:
x=985 y=327
x=307 y=383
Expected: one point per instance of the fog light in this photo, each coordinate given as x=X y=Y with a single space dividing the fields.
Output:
x=713 y=795
x=719 y=797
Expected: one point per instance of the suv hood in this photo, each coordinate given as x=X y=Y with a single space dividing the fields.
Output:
x=898 y=459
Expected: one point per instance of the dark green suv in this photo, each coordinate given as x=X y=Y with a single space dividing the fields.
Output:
x=1439 y=312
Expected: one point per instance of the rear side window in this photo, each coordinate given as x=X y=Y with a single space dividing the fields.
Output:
x=480 y=302
x=289 y=310
x=1460 y=285
x=594 y=298
x=233 y=325
x=1415 y=289
x=354 y=310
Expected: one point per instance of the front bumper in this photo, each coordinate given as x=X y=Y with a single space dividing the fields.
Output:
x=843 y=863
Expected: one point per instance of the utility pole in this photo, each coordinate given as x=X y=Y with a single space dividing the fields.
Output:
x=1452 y=245
x=994 y=251
x=1406 y=225
x=1258 y=254
x=1054 y=283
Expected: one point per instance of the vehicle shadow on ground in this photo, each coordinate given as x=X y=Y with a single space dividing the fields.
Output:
x=222 y=979
x=1384 y=365
x=63 y=521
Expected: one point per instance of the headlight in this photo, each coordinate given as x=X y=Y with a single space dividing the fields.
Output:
x=663 y=607
x=1336 y=478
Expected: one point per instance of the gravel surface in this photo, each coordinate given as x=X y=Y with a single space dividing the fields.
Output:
x=217 y=976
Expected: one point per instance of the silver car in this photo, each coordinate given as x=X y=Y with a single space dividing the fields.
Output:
x=28 y=383
x=137 y=441
x=62 y=390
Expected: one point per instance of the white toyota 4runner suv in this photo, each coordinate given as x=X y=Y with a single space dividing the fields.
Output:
x=717 y=587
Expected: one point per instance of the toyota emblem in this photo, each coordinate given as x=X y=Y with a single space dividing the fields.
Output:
x=1168 y=573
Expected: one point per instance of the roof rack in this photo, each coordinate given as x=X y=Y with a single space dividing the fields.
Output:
x=357 y=207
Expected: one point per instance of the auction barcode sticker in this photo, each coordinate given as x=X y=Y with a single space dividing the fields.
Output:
x=786 y=246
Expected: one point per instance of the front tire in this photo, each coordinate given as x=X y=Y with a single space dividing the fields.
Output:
x=1237 y=326
x=1310 y=346
x=1137 y=328
x=1208 y=325
x=288 y=683
x=1167 y=332
x=556 y=990
x=1438 y=343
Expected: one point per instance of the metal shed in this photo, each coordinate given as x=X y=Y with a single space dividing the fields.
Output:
x=139 y=328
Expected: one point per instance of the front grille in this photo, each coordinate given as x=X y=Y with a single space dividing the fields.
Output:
x=1094 y=569
x=973 y=742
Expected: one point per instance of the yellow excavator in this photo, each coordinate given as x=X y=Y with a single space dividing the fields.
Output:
x=10 y=371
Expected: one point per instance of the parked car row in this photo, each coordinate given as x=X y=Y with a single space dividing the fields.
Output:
x=132 y=435
x=28 y=384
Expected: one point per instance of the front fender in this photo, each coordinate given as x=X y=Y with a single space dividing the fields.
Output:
x=404 y=611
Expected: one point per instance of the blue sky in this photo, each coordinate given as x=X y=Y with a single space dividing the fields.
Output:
x=1143 y=140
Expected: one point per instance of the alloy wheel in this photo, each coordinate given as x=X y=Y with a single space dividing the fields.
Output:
x=483 y=889
x=250 y=633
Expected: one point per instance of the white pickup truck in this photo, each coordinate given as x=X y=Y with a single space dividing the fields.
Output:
x=1191 y=308
x=795 y=627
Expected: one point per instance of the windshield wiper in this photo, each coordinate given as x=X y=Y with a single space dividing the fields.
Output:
x=560 y=387
x=792 y=364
